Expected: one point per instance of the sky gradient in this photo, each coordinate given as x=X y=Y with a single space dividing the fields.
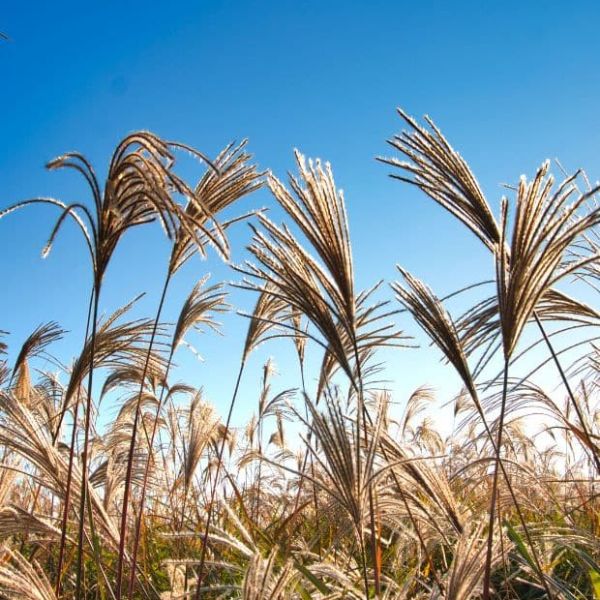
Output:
x=509 y=83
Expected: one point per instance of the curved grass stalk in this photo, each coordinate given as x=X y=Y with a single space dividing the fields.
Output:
x=197 y=309
x=65 y=517
x=83 y=504
x=129 y=472
x=211 y=503
x=544 y=229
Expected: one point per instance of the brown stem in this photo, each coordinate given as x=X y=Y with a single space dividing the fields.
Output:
x=130 y=456
x=84 y=457
x=65 y=516
x=570 y=393
x=213 y=491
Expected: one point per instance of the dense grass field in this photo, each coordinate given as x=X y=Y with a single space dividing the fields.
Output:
x=370 y=496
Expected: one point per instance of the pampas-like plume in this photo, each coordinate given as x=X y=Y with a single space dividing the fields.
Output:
x=36 y=343
x=324 y=293
x=338 y=446
x=14 y=520
x=465 y=576
x=116 y=345
x=297 y=279
x=199 y=309
x=3 y=366
x=318 y=208
x=441 y=173
x=321 y=287
x=22 y=580
x=268 y=309
x=349 y=328
x=434 y=319
x=233 y=178
x=264 y=581
x=200 y=431
x=269 y=312
x=140 y=188
x=22 y=433
x=530 y=264
x=545 y=228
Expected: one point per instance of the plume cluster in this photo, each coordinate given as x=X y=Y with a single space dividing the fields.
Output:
x=334 y=487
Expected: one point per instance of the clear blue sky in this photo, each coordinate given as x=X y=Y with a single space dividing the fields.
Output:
x=510 y=83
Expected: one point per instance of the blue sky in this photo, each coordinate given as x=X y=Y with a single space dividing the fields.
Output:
x=510 y=83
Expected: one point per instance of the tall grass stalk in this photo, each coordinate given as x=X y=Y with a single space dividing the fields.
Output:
x=132 y=445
